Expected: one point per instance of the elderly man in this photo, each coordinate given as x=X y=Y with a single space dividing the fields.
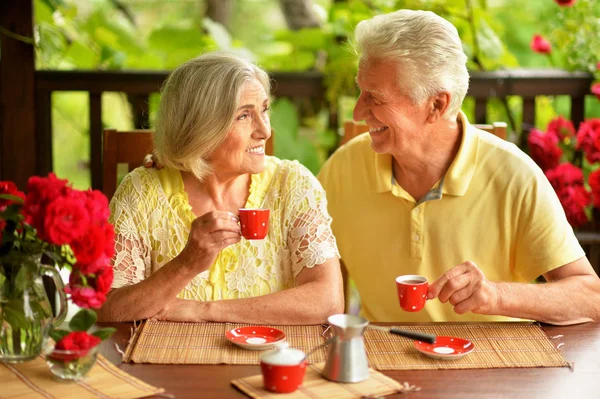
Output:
x=424 y=192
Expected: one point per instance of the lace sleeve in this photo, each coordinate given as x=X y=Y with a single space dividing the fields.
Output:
x=132 y=245
x=310 y=239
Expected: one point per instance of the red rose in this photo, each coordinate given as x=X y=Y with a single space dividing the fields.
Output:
x=109 y=240
x=574 y=199
x=540 y=45
x=594 y=181
x=596 y=90
x=78 y=342
x=8 y=187
x=66 y=220
x=565 y=3
x=40 y=192
x=544 y=148
x=90 y=245
x=85 y=297
x=565 y=175
x=588 y=141
x=561 y=127
x=93 y=267
x=2 y=226
x=93 y=293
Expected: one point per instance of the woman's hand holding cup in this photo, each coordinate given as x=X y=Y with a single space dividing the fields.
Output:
x=209 y=234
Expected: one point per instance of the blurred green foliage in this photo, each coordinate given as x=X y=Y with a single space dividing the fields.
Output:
x=153 y=34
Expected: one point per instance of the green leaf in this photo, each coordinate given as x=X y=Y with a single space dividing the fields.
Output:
x=82 y=56
x=22 y=279
x=58 y=334
x=15 y=315
x=104 y=333
x=83 y=320
x=2 y=281
x=13 y=198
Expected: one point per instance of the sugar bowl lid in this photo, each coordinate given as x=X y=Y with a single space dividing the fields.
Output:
x=283 y=355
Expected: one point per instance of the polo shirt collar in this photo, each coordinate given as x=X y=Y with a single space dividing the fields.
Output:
x=457 y=178
x=461 y=171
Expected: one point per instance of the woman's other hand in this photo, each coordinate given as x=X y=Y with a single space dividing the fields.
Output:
x=209 y=234
x=181 y=310
x=151 y=161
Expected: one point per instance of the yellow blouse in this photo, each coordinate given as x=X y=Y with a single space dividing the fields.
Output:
x=152 y=218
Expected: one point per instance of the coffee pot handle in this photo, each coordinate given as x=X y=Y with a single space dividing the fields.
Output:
x=60 y=288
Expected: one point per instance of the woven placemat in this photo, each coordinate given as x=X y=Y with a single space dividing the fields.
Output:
x=161 y=342
x=33 y=379
x=315 y=386
x=496 y=346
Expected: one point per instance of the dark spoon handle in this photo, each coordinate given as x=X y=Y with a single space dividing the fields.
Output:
x=429 y=338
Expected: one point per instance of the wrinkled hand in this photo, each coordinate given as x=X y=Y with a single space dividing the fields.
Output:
x=467 y=289
x=182 y=310
x=151 y=161
x=209 y=234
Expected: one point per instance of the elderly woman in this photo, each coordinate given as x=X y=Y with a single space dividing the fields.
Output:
x=179 y=251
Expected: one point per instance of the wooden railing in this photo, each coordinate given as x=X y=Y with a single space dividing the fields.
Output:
x=139 y=85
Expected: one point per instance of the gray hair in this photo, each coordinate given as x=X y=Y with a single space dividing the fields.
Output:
x=427 y=49
x=197 y=109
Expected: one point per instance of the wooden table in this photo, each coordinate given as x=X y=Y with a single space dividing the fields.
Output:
x=581 y=347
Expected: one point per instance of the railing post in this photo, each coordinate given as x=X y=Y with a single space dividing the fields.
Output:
x=96 y=139
x=18 y=148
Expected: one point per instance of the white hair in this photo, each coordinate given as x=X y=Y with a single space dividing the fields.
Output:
x=426 y=48
x=197 y=109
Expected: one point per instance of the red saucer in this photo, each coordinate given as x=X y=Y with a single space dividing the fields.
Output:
x=445 y=347
x=255 y=337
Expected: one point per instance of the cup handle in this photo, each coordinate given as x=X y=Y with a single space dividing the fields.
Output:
x=60 y=288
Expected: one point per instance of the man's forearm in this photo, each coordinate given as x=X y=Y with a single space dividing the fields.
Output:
x=571 y=300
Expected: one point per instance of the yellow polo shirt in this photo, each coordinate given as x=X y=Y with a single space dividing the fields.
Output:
x=494 y=207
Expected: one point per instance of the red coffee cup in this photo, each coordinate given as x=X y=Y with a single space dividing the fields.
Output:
x=255 y=223
x=412 y=292
x=283 y=369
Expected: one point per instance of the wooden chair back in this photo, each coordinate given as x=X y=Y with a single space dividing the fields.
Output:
x=130 y=147
x=353 y=129
x=122 y=147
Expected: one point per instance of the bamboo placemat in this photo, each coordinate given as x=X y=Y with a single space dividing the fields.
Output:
x=34 y=379
x=503 y=345
x=162 y=342
x=315 y=386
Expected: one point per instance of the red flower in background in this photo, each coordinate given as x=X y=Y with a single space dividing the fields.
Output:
x=594 y=181
x=540 y=45
x=2 y=226
x=596 y=89
x=92 y=293
x=8 y=187
x=561 y=127
x=544 y=149
x=77 y=342
x=567 y=181
x=565 y=3
x=588 y=139
x=66 y=220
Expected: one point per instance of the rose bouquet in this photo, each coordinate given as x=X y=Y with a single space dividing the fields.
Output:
x=570 y=160
x=66 y=228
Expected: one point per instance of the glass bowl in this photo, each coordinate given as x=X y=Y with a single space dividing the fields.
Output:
x=71 y=364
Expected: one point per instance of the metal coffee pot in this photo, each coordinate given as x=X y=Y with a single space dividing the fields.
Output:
x=347 y=357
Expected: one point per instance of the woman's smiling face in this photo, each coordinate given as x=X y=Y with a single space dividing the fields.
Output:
x=243 y=150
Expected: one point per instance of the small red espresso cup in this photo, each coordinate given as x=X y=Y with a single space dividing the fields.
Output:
x=283 y=369
x=412 y=292
x=255 y=223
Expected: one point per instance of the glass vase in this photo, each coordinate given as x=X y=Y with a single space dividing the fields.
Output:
x=71 y=364
x=25 y=313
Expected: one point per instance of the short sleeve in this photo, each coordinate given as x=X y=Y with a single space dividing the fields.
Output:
x=132 y=243
x=310 y=239
x=545 y=239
